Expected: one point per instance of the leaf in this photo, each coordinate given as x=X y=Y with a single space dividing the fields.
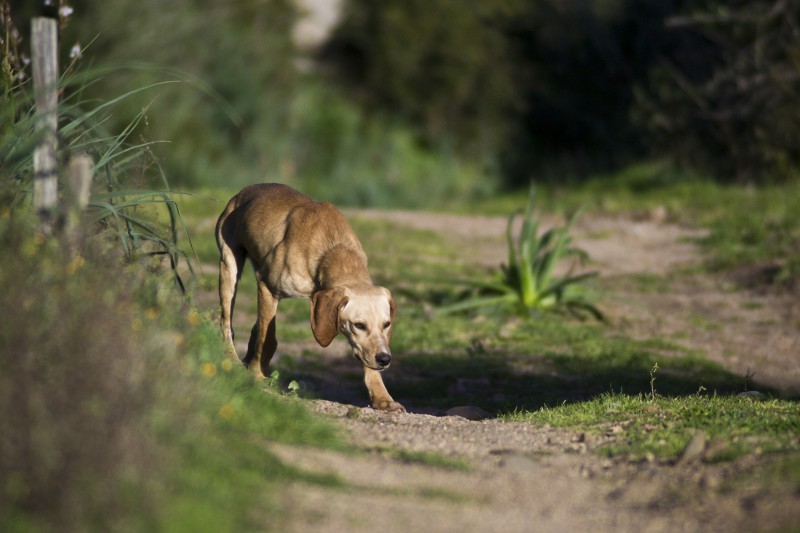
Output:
x=476 y=302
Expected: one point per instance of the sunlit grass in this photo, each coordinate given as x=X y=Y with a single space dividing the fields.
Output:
x=663 y=426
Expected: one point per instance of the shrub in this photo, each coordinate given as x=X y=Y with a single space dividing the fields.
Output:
x=528 y=283
x=75 y=386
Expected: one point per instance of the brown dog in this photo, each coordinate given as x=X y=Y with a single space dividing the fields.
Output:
x=303 y=248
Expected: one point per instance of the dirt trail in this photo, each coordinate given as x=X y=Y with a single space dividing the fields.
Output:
x=526 y=478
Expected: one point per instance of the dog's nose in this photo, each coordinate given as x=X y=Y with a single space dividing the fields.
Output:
x=383 y=359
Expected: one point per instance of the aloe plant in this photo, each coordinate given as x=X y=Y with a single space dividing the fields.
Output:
x=528 y=282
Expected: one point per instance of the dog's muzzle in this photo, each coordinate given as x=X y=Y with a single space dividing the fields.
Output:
x=383 y=359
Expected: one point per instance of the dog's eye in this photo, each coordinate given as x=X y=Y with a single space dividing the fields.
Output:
x=386 y=325
x=360 y=325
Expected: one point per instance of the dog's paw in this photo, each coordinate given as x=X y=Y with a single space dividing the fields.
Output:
x=390 y=406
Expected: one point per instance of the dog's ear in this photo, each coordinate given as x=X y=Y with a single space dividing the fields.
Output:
x=325 y=306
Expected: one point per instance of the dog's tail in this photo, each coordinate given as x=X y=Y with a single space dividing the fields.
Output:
x=221 y=221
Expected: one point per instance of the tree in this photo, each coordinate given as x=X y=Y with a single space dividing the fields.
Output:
x=742 y=121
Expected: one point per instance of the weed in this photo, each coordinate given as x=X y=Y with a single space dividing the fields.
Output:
x=528 y=282
x=653 y=381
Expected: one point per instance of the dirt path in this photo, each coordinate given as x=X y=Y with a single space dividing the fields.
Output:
x=518 y=477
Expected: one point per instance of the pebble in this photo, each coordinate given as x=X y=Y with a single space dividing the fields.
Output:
x=754 y=394
x=470 y=412
x=695 y=448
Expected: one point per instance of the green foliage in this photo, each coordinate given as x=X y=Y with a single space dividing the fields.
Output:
x=737 y=121
x=242 y=111
x=76 y=388
x=662 y=427
x=121 y=167
x=332 y=151
x=708 y=84
x=112 y=385
x=542 y=88
x=454 y=80
x=528 y=282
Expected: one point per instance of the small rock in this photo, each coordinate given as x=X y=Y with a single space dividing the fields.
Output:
x=580 y=437
x=695 y=448
x=753 y=394
x=518 y=463
x=710 y=481
x=470 y=412
x=659 y=214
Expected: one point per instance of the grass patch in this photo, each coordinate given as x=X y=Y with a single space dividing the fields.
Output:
x=503 y=363
x=663 y=426
x=432 y=459
x=748 y=225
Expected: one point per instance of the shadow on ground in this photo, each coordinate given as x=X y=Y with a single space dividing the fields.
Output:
x=502 y=382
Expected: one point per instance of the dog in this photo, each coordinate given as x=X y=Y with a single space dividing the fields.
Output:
x=302 y=248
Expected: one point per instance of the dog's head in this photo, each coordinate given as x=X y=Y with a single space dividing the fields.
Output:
x=363 y=313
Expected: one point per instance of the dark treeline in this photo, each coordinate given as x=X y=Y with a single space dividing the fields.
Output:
x=569 y=87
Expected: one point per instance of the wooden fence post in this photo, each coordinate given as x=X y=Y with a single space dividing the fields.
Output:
x=79 y=188
x=44 y=49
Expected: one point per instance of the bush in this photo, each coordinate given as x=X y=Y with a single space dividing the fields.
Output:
x=119 y=411
x=76 y=387
x=739 y=121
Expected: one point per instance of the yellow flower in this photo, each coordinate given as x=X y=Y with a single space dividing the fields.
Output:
x=226 y=365
x=226 y=411
x=151 y=313
x=193 y=317
x=74 y=265
x=209 y=370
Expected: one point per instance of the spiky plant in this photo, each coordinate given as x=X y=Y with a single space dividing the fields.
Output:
x=528 y=282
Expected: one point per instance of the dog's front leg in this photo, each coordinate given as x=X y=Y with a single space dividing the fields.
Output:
x=378 y=395
x=263 y=341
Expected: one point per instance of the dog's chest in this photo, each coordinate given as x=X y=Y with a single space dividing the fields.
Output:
x=289 y=279
x=297 y=285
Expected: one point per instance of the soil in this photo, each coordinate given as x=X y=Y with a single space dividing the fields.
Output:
x=521 y=477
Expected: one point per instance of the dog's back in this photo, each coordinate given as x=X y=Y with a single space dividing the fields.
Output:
x=285 y=233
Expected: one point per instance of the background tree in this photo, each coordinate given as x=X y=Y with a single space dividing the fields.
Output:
x=742 y=122
x=546 y=88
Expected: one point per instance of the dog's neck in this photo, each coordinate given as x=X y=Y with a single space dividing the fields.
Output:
x=342 y=265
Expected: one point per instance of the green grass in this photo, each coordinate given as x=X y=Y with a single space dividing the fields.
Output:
x=663 y=426
x=748 y=226
x=219 y=441
x=501 y=363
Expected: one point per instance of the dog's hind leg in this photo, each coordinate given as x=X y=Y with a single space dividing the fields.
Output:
x=263 y=341
x=231 y=263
